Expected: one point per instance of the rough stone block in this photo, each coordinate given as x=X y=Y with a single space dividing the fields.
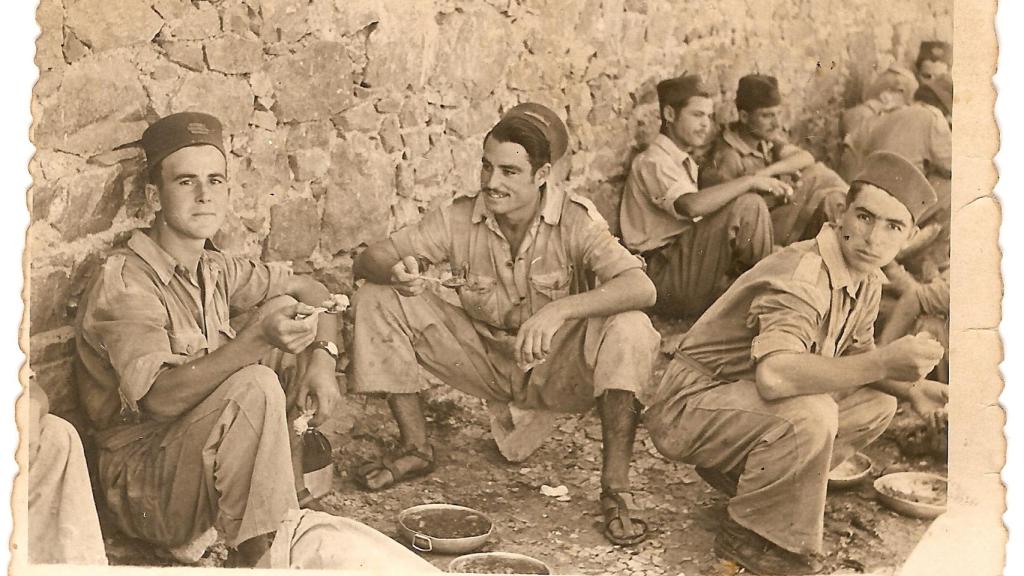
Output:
x=362 y=117
x=49 y=44
x=474 y=49
x=196 y=23
x=402 y=48
x=185 y=52
x=358 y=202
x=234 y=55
x=48 y=295
x=315 y=83
x=228 y=98
x=86 y=203
x=104 y=25
x=309 y=164
x=391 y=133
x=293 y=230
x=285 y=20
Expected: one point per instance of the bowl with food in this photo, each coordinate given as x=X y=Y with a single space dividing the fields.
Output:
x=498 y=563
x=850 y=472
x=917 y=494
x=444 y=528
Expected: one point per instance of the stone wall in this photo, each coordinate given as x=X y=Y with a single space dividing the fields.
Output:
x=349 y=118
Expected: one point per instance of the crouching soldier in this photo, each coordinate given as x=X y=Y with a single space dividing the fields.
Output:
x=190 y=427
x=527 y=330
x=756 y=145
x=780 y=381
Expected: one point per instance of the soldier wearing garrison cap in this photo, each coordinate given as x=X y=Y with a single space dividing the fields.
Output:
x=513 y=319
x=190 y=427
x=934 y=59
x=694 y=241
x=756 y=145
x=781 y=380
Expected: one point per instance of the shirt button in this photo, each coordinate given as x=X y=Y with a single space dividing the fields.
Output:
x=188 y=349
x=509 y=263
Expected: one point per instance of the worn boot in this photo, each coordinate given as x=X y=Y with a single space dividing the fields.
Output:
x=758 y=555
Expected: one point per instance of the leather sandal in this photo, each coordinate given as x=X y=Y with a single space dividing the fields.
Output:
x=615 y=508
x=362 y=472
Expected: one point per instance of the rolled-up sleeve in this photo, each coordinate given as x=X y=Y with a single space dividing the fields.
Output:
x=250 y=282
x=127 y=321
x=430 y=238
x=787 y=317
x=663 y=181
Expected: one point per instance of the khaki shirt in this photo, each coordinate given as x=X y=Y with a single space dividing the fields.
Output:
x=145 y=313
x=567 y=243
x=802 y=299
x=919 y=133
x=657 y=177
x=731 y=157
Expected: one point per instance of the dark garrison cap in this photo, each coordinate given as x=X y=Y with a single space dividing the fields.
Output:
x=545 y=120
x=897 y=176
x=172 y=133
x=935 y=50
x=757 y=91
x=676 y=91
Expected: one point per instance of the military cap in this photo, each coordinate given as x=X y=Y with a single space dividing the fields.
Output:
x=936 y=51
x=897 y=176
x=675 y=92
x=757 y=91
x=172 y=133
x=938 y=92
x=545 y=120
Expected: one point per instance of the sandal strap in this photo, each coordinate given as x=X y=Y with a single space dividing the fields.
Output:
x=622 y=511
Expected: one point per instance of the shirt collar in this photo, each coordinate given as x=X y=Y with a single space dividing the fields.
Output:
x=550 y=210
x=157 y=258
x=732 y=137
x=676 y=154
x=838 y=272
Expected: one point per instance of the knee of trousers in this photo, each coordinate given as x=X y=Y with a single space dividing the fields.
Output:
x=879 y=407
x=256 y=389
x=58 y=434
x=748 y=205
x=633 y=330
x=814 y=419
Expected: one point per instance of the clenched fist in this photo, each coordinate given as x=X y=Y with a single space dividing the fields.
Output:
x=911 y=358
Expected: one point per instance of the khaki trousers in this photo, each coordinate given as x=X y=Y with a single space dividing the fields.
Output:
x=395 y=335
x=225 y=463
x=62 y=524
x=781 y=450
x=695 y=269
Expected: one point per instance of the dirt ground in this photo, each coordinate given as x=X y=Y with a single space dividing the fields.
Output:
x=682 y=511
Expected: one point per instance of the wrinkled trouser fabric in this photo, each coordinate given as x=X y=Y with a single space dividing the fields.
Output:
x=695 y=269
x=394 y=335
x=225 y=463
x=818 y=197
x=309 y=540
x=781 y=450
x=62 y=523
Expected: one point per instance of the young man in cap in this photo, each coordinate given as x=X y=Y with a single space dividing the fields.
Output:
x=527 y=329
x=756 y=145
x=695 y=241
x=780 y=381
x=934 y=59
x=190 y=428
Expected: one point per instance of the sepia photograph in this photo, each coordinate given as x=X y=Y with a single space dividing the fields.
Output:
x=631 y=287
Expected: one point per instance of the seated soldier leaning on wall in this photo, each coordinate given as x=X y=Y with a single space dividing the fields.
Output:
x=62 y=524
x=781 y=380
x=528 y=331
x=756 y=145
x=695 y=242
x=190 y=428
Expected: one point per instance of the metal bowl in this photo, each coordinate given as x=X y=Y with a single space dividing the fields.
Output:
x=914 y=494
x=851 y=472
x=424 y=538
x=498 y=563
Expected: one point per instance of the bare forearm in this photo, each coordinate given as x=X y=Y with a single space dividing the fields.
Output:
x=713 y=198
x=631 y=290
x=375 y=263
x=307 y=290
x=902 y=317
x=791 y=162
x=793 y=374
x=181 y=388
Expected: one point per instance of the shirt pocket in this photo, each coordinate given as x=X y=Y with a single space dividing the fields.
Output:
x=479 y=298
x=552 y=285
x=187 y=342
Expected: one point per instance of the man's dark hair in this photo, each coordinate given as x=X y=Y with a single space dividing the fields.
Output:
x=676 y=107
x=526 y=134
x=855 y=189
